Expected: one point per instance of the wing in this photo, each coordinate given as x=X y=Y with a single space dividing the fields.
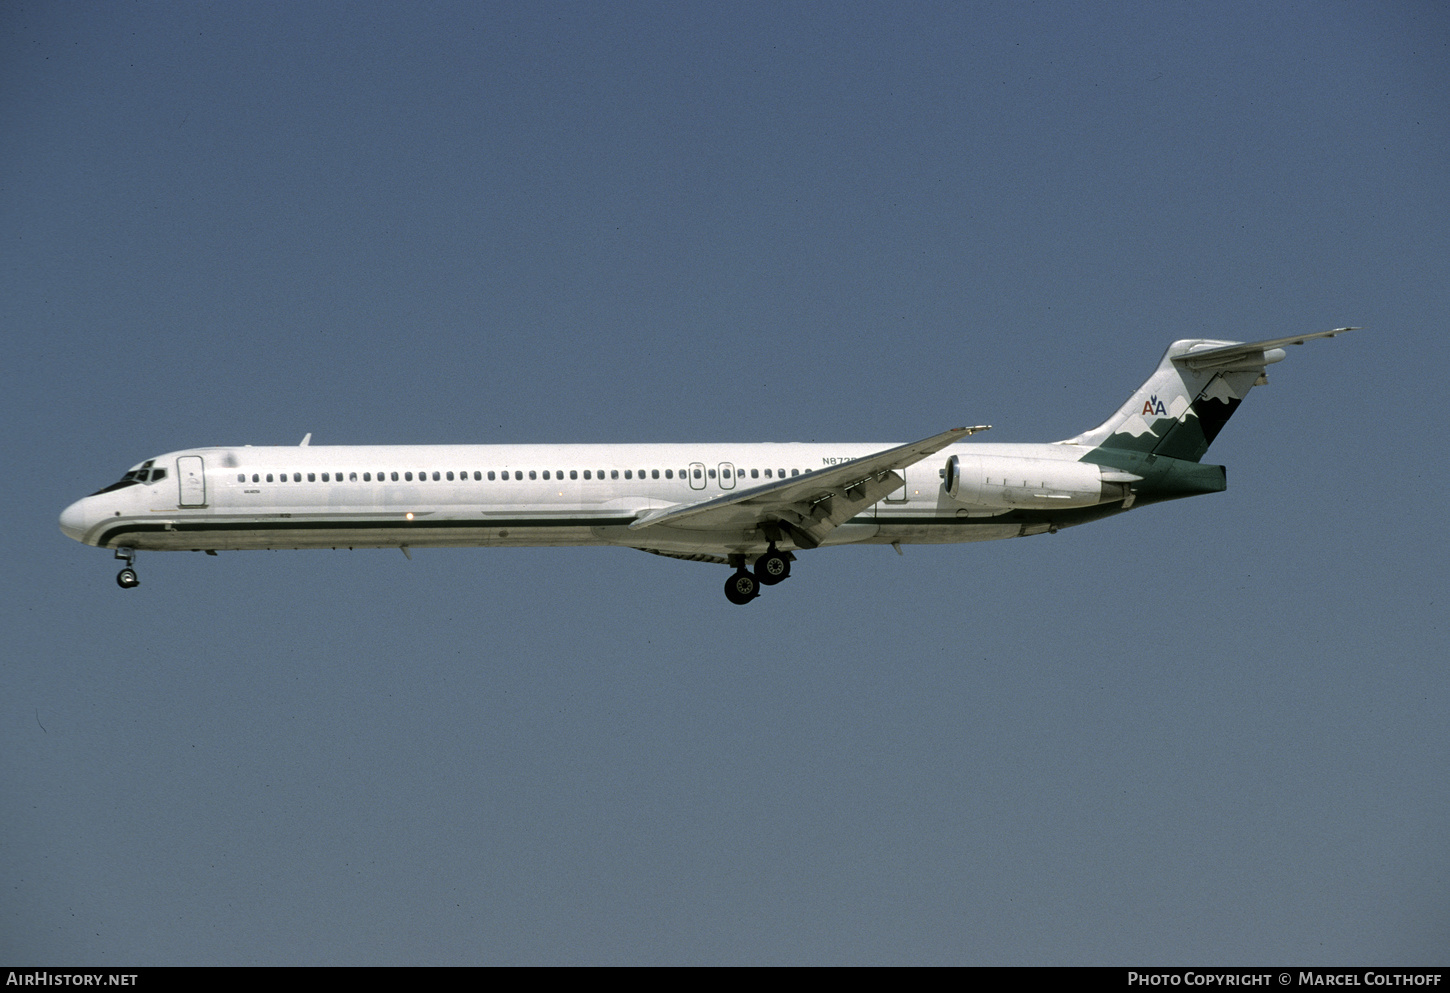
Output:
x=808 y=506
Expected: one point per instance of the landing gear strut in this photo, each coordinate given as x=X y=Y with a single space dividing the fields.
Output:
x=126 y=578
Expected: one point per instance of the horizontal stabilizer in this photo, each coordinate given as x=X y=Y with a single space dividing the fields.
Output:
x=1248 y=353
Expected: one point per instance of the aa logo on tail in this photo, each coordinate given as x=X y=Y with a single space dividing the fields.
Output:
x=1153 y=406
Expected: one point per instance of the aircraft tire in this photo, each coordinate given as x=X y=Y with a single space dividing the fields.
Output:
x=741 y=588
x=127 y=579
x=771 y=568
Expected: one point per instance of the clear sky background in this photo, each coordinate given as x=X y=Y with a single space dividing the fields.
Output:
x=1211 y=731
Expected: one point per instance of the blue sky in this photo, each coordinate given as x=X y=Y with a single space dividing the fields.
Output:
x=1210 y=732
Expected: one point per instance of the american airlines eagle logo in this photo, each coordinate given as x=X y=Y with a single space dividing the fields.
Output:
x=1153 y=406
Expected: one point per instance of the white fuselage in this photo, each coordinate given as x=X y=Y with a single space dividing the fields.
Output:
x=735 y=504
x=503 y=495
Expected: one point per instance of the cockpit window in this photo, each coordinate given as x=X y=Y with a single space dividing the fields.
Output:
x=142 y=474
x=126 y=480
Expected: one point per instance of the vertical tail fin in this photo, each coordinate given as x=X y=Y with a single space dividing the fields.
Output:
x=1196 y=388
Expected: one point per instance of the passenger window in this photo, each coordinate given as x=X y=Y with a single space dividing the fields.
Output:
x=450 y=476
x=586 y=474
x=754 y=473
x=255 y=479
x=546 y=474
x=518 y=475
x=269 y=477
x=490 y=475
x=436 y=476
x=654 y=474
x=395 y=476
x=352 y=477
x=531 y=474
x=573 y=473
x=613 y=473
x=795 y=472
x=767 y=474
x=697 y=473
x=628 y=474
x=711 y=473
x=367 y=477
x=241 y=477
x=312 y=477
x=669 y=474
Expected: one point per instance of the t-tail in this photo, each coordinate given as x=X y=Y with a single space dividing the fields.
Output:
x=1157 y=438
x=1196 y=388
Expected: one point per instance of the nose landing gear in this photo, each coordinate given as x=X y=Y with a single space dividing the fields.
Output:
x=126 y=578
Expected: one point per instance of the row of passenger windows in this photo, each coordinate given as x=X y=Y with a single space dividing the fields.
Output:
x=478 y=476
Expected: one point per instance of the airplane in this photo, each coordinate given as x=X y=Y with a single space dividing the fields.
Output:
x=730 y=504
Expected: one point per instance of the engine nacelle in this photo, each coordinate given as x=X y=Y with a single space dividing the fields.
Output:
x=1006 y=483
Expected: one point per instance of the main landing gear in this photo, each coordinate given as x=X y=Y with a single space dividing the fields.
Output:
x=770 y=568
x=742 y=587
x=126 y=578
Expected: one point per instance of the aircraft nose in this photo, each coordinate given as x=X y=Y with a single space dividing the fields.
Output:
x=73 y=521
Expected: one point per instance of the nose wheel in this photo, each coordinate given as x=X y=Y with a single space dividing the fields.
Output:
x=127 y=578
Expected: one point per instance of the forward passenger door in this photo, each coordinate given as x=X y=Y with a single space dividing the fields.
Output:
x=191 y=477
